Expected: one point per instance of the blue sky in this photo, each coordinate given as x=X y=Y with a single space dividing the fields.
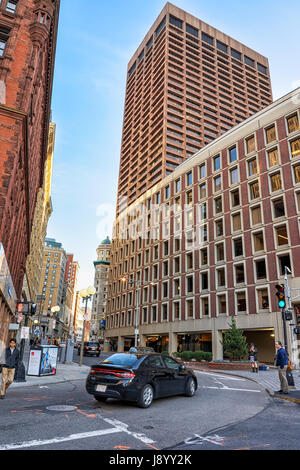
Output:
x=94 y=46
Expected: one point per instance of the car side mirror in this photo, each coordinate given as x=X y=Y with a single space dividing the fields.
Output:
x=182 y=367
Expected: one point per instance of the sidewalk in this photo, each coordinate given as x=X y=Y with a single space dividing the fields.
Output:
x=268 y=379
x=64 y=373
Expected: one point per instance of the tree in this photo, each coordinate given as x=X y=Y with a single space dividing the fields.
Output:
x=234 y=343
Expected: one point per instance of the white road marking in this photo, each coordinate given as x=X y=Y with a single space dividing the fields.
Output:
x=227 y=377
x=55 y=440
x=229 y=388
x=122 y=427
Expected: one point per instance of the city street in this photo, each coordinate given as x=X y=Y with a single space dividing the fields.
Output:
x=64 y=417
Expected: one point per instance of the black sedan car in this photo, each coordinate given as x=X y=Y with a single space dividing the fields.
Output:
x=140 y=378
x=90 y=348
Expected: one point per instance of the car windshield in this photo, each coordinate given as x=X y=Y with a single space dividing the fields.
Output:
x=125 y=360
x=93 y=344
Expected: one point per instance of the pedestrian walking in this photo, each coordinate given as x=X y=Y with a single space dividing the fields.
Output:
x=252 y=357
x=12 y=356
x=282 y=364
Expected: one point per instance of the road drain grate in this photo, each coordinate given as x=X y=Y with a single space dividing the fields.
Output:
x=61 y=408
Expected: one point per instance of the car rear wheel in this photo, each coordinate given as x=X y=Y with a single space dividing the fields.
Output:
x=100 y=398
x=190 y=388
x=146 y=397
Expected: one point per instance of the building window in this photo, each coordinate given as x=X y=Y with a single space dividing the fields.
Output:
x=252 y=167
x=177 y=185
x=190 y=308
x=205 y=37
x=222 y=47
x=278 y=208
x=160 y=27
x=258 y=241
x=284 y=261
x=218 y=205
x=222 y=304
x=263 y=299
x=250 y=144
x=154 y=313
x=205 y=306
x=296 y=169
x=177 y=264
x=295 y=147
x=281 y=235
x=236 y=54
x=164 y=312
x=235 y=198
x=256 y=215
x=11 y=6
x=275 y=180
x=234 y=175
x=241 y=304
x=273 y=157
x=236 y=222
x=260 y=269
x=203 y=211
x=254 y=190
x=220 y=252
x=270 y=134
x=167 y=192
x=293 y=123
x=218 y=183
x=189 y=178
x=239 y=274
x=232 y=154
x=238 y=247
x=175 y=21
x=221 y=277
x=176 y=310
x=189 y=261
x=219 y=228
x=190 y=284
x=262 y=68
x=202 y=171
x=204 y=281
x=249 y=61
x=217 y=163
x=202 y=189
x=204 y=257
x=191 y=30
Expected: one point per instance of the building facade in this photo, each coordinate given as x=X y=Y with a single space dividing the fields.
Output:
x=211 y=241
x=28 y=31
x=98 y=312
x=42 y=213
x=52 y=288
x=187 y=84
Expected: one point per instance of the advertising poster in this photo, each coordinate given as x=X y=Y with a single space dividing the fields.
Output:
x=34 y=362
x=49 y=359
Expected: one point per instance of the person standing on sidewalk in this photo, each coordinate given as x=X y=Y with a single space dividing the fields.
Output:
x=252 y=356
x=282 y=363
x=12 y=356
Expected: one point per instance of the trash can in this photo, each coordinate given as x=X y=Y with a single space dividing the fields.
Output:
x=42 y=360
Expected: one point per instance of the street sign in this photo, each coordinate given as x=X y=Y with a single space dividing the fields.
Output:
x=136 y=332
x=24 y=332
x=37 y=331
x=288 y=314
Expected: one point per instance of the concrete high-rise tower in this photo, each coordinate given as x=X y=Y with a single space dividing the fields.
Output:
x=187 y=84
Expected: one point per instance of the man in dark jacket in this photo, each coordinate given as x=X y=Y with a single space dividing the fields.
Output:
x=282 y=363
x=12 y=356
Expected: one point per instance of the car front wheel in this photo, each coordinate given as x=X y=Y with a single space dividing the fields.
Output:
x=190 y=388
x=146 y=397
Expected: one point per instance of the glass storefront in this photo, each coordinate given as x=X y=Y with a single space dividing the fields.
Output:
x=194 y=342
x=158 y=343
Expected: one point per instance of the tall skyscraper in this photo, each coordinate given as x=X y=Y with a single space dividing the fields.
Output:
x=187 y=84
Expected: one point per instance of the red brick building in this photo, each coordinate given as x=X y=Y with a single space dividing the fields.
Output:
x=211 y=241
x=28 y=31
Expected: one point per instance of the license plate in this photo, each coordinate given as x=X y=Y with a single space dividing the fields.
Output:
x=101 y=388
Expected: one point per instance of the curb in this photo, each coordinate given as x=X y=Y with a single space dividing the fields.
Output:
x=294 y=400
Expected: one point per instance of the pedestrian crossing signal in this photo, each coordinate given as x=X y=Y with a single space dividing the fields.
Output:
x=280 y=295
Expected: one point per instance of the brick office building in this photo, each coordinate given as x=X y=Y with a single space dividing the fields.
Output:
x=28 y=30
x=212 y=240
x=187 y=84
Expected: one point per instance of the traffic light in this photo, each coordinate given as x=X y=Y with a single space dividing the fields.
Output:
x=19 y=307
x=297 y=312
x=280 y=295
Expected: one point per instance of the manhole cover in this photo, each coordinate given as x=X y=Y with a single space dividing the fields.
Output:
x=61 y=408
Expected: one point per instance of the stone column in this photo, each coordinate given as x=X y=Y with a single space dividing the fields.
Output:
x=217 y=347
x=120 y=344
x=173 y=342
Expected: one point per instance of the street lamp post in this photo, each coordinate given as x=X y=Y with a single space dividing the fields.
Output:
x=86 y=295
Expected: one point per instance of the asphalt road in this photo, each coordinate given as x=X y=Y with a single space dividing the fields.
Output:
x=65 y=417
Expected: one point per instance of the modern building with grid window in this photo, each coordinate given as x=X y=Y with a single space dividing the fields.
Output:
x=211 y=240
x=187 y=84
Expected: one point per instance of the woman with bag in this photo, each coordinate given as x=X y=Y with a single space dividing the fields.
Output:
x=252 y=357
